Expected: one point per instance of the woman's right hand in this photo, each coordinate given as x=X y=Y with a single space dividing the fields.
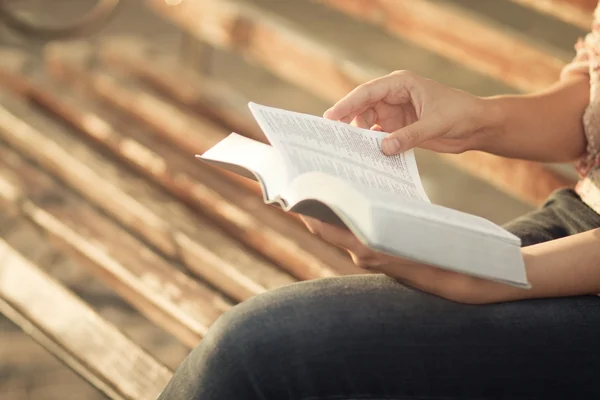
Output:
x=417 y=112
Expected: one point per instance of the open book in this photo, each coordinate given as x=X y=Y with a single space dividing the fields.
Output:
x=337 y=173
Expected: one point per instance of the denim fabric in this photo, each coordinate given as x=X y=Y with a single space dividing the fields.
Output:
x=563 y=214
x=368 y=337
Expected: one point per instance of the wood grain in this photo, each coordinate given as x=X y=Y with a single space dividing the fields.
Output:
x=576 y=12
x=526 y=180
x=482 y=47
x=192 y=91
x=241 y=213
x=74 y=333
x=160 y=220
x=174 y=301
x=214 y=22
x=272 y=42
x=190 y=132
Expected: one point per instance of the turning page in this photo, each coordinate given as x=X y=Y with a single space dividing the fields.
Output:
x=309 y=143
x=241 y=155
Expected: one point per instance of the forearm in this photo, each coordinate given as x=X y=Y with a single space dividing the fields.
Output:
x=564 y=267
x=545 y=126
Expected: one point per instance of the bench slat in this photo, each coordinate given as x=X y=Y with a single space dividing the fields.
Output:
x=576 y=12
x=267 y=32
x=165 y=73
x=74 y=333
x=182 y=236
x=192 y=134
x=269 y=41
x=133 y=57
x=179 y=304
x=525 y=180
x=242 y=213
x=461 y=38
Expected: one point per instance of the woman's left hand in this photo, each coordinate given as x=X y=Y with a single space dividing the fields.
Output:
x=449 y=285
x=362 y=256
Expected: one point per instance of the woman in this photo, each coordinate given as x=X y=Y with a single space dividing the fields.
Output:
x=417 y=332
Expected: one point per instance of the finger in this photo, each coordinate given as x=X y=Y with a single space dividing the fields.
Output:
x=311 y=223
x=366 y=264
x=344 y=239
x=410 y=136
x=362 y=256
x=365 y=95
x=352 y=115
x=337 y=236
x=365 y=119
x=377 y=128
x=357 y=122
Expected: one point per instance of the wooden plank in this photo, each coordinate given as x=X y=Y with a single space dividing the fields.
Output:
x=74 y=333
x=217 y=26
x=534 y=179
x=166 y=224
x=27 y=238
x=451 y=33
x=576 y=12
x=13 y=60
x=174 y=301
x=528 y=181
x=192 y=134
x=185 y=237
x=271 y=42
x=6 y=219
x=242 y=213
x=191 y=90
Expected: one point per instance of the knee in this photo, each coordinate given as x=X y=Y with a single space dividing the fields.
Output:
x=288 y=320
x=261 y=323
x=262 y=330
x=253 y=334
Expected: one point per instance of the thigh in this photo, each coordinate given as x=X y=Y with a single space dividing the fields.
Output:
x=367 y=337
x=562 y=215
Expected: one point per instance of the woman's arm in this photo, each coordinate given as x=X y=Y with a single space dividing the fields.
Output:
x=564 y=267
x=545 y=126
x=419 y=112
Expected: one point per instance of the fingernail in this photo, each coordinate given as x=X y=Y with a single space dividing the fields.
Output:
x=390 y=146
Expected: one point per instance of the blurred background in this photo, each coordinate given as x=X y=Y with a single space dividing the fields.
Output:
x=27 y=371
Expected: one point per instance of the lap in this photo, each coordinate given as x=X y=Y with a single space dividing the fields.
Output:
x=563 y=214
x=369 y=337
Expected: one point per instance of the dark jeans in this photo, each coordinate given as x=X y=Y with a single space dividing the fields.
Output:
x=368 y=337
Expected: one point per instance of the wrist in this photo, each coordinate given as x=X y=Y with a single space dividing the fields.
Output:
x=490 y=125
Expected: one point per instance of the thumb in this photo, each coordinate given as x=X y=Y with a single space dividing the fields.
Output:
x=408 y=137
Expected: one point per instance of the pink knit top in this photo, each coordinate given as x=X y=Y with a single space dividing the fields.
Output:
x=587 y=62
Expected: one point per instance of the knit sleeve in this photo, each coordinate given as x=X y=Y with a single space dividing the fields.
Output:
x=587 y=63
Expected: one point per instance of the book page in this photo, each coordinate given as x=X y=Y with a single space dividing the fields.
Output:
x=310 y=144
x=260 y=159
x=467 y=247
x=440 y=215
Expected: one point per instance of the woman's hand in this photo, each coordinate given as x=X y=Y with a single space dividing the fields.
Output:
x=416 y=112
x=446 y=284
x=558 y=268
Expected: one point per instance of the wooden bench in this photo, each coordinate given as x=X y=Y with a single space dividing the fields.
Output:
x=96 y=166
